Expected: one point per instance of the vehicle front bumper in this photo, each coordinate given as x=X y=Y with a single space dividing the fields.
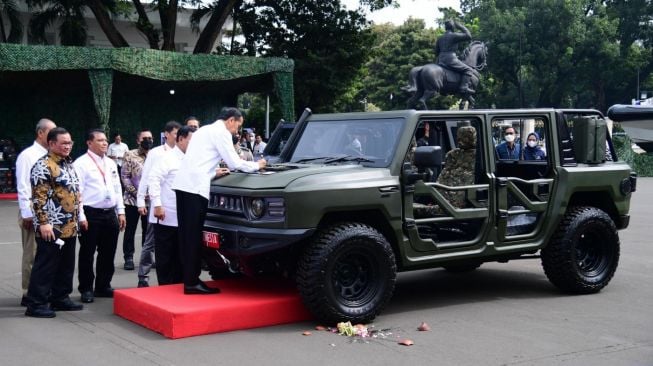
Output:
x=244 y=241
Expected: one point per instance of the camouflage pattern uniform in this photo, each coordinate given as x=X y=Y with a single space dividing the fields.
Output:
x=458 y=171
x=459 y=166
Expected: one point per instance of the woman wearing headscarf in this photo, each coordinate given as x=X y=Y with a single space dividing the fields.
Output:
x=532 y=150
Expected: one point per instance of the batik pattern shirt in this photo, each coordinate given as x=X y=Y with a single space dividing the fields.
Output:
x=131 y=173
x=55 y=195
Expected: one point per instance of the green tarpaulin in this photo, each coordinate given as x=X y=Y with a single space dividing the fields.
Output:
x=126 y=89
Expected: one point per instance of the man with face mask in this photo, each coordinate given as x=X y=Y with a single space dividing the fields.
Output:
x=146 y=261
x=130 y=176
x=510 y=148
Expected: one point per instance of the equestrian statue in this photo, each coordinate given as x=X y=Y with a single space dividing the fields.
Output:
x=450 y=75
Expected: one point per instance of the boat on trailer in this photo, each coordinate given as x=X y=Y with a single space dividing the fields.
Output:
x=637 y=121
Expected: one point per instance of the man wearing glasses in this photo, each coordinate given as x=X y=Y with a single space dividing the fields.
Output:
x=509 y=149
x=56 y=204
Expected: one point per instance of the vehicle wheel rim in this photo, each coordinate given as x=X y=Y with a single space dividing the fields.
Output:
x=353 y=279
x=592 y=254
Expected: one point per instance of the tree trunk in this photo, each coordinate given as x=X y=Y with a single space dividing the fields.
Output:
x=168 y=13
x=145 y=26
x=213 y=28
x=103 y=18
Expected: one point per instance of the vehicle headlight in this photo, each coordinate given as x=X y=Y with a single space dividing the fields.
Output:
x=257 y=208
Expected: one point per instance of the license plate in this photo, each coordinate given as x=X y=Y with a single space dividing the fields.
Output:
x=211 y=240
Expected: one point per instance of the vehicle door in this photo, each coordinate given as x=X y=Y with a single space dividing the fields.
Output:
x=446 y=205
x=523 y=174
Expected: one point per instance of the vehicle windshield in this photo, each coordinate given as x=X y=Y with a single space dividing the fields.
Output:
x=369 y=142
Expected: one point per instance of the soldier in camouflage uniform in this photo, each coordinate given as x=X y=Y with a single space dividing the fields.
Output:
x=459 y=166
x=458 y=171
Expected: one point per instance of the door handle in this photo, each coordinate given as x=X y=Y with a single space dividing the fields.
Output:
x=389 y=189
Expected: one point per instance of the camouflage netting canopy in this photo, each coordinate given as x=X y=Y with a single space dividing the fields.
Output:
x=126 y=89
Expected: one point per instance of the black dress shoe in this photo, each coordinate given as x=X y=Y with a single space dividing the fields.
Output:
x=200 y=289
x=129 y=265
x=66 y=305
x=40 y=311
x=87 y=296
x=105 y=292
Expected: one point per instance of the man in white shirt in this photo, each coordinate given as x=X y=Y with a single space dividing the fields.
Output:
x=210 y=145
x=192 y=122
x=259 y=146
x=101 y=219
x=147 y=252
x=24 y=164
x=163 y=216
x=117 y=150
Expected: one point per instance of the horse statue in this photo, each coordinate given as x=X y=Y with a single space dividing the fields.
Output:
x=431 y=79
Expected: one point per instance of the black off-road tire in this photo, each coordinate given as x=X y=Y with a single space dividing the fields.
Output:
x=583 y=255
x=347 y=273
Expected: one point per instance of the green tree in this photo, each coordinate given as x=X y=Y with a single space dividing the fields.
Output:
x=9 y=9
x=70 y=14
x=396 y=51
x=327 y=43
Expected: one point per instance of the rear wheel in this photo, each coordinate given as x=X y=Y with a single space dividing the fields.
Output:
x=347 y=273
x=583 y=255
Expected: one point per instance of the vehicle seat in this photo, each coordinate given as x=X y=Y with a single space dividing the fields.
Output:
x=459 y=166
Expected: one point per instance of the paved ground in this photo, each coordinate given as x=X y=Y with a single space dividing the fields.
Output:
x=502 y=314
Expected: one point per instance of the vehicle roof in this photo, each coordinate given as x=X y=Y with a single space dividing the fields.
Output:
x=412 y=112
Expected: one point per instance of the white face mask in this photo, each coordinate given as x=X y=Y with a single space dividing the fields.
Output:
x=532 y=143
x=510 y=138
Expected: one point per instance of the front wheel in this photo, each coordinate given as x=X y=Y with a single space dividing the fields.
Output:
x=347 y=273
x=583 y=255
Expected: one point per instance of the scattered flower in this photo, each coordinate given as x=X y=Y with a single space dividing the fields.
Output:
x=424 y=327
x=320 y=327
x=406 y=342
x=306 y=333
x=349 y=330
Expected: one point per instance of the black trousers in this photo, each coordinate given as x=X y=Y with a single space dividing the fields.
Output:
x=191 y=212
x=101 y=236
x=167 y=254
x=132 y=216
x=52 y=272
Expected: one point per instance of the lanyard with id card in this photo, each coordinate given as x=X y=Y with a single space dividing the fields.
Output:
x=107 y=193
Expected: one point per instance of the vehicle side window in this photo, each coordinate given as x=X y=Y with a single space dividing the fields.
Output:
x=520 y=139
x=521 y=147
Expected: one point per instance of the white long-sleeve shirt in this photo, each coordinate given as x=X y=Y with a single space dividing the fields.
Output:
x=209 y=145
x=24 y=164
x=99 y=183
x=152 y=157
x=162 y=174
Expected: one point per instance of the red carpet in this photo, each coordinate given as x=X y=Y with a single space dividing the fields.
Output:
x=8 y=196
x=242 y=304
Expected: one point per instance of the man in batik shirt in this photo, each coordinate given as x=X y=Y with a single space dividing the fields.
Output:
x=56 y=204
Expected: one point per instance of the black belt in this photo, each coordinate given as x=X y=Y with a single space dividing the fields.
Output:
x=99 y=210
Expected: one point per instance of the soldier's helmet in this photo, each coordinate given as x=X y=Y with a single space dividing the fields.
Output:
x=466 y=137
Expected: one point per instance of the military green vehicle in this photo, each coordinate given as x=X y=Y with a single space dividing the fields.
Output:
x=358 y=197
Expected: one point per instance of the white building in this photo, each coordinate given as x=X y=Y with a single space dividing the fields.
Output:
x=185 y=38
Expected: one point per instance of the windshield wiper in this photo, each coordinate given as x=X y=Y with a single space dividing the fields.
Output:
x=338 y=159
x=311 y=159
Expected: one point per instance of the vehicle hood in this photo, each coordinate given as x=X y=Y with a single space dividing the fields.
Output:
x=281 y=179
